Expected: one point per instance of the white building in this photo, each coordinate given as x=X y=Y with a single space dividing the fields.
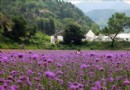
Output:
x=56 y=38
x=90 y=36
x=123 y=36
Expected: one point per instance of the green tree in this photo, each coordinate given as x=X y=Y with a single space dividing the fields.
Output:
x=5 y=25
x=115 y=25
x=95 y=28
x=73 y=34
x=51 y=27
x=19 y=29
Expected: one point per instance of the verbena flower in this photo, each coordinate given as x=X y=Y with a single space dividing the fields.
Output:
x=49 y=74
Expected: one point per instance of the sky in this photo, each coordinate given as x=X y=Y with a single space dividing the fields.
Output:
x=78 y=1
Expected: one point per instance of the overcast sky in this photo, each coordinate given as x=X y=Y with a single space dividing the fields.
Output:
x=78 y=1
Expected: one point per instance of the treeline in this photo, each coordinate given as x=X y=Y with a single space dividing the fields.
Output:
x=21 y=20
x=39 y=12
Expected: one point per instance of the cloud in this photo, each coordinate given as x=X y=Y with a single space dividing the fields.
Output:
x=127 y=1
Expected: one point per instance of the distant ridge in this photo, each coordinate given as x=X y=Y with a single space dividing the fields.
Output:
x=101 y=16
x=89 y=6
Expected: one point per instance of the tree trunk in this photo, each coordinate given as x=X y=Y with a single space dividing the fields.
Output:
x=112 y=44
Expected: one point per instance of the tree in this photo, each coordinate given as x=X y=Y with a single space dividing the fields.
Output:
x=116 y=25
x=95 y=28
x=5 y=25
x=51 y=27
x=73 y=34
x=46 y=25
x=19 y=28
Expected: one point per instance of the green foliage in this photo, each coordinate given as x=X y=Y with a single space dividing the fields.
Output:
x=58 y=10
x=95 y=28
x=26 y=21
x=115 y=25
x=46 y=25
x=19 y=29
x=73 y=34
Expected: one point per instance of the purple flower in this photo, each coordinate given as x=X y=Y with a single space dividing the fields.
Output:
x=20 y=55
x=59 y=65
x=76 y=86
x=13 y=87
x=30 y=72
x=36 y=79
x=2 y=87
x=98 y=85
x=83 y=66
x=101 y=69
x=126 y=82
x=111 y=79
x=35 y=56
x=109 y=55
x=13 y=73
x=49 y=60
x=49 y=74
x=94 y=88
x=19 y=81
x=59 y=72
x=23 y=78
x=1 y=80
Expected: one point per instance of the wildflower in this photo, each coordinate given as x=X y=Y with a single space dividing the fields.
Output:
x=59 y=65
x=59 y=72
x=83 y=66
x=109 y=55
x=2 y=87
x=94 y=88
x=23 y=78
x=101 y=69
x=20 y=55
x=13 y=87
x=49 y=74
x=13 y=73
x=76 y=86
x=111 y=79
x=98 y=85
x=126 y=82
x=49 y=60
x=1 y=80
x=30 y=72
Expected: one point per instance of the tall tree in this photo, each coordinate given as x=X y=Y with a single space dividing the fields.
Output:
x=19 y=29
x=73 y=34
x=51 y=28
x=115 y=25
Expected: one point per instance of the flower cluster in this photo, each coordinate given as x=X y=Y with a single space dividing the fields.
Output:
x=64 y=70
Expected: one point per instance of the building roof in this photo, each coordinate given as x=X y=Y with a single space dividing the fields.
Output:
x=123 y=35
x=90 y=34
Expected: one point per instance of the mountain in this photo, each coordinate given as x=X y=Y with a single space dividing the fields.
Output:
x=87 y=6
x=101 y=16
x=45 y=14
x=101 y=11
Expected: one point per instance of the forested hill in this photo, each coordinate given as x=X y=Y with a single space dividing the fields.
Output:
x=49 y=16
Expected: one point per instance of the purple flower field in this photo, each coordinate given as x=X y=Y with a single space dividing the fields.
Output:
x=64 y=70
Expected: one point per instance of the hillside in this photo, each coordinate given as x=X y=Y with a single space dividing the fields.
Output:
x=31 y=22
x=101 y=16
x=40 y=12
x=101 y=11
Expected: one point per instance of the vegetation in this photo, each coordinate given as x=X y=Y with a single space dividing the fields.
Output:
x=64 y=70
x=116 y=25
x=21 y=20
x=45 y=14
x=73 y=34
